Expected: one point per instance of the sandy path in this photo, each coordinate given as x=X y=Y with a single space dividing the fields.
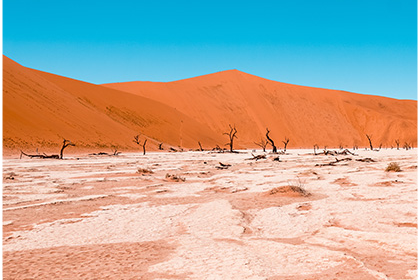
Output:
x=99 y=218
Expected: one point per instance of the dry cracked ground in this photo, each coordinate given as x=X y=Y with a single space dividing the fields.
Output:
x=180 y=216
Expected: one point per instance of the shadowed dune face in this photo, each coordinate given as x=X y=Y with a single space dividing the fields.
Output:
x=306 y=115
x=40 y=109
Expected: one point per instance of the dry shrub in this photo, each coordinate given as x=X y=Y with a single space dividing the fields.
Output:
x=294 y=188
x=144 y=171
x=174 y=177
x=289 y=190
x=393 y=166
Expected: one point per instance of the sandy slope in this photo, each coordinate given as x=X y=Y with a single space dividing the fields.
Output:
x=99 y=218
x=40 y=109
x=306 y=115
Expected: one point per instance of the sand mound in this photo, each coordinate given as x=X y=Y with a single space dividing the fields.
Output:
x=305 y=115
x=287 y=191
x=40 y=109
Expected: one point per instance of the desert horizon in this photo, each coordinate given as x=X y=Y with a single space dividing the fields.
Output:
x=50 y=108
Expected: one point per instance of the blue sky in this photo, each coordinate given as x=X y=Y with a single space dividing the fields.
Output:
x=364 y=46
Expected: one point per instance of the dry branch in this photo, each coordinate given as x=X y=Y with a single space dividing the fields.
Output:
x=365 y=160
x=333 y=163
x=223 y=166
x=257 y=157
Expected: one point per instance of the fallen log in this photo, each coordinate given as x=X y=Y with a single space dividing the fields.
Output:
x=223 y=166
x=43 y=156
x=333 y=163
x=365 y=160
x=257 y=157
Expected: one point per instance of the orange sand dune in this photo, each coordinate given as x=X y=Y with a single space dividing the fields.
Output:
x=40 y=109
x=306 y=115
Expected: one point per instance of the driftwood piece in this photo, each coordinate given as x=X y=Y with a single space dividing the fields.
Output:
x=39 y=156
x=365 y=160
x=333 y=163
x=335 y=153
x=115 y=153
x=257 y=157
x=223 y=166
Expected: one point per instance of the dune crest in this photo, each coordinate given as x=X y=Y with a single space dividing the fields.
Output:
x=40 y=109
x=306 y=115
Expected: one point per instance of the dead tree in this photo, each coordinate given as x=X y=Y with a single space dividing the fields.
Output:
x=160 y=146
x=263 y=143
x=271 y=141
x=66 y=143
x=232 y=136
x=201 y=148
x=144 y=146
x=406 y=146
x=137 y=141
x=370 y=141
x=398 y=143
x=285 y=142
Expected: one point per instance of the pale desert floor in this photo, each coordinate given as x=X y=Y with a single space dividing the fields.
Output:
x=96 y=217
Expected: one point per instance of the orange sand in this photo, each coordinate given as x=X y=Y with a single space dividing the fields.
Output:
x=306 y=115
x=40 y=109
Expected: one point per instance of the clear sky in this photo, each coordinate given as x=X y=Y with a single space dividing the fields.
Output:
x=363 y=46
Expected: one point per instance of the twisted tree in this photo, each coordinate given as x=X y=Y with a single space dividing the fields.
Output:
x=271 y=141
x=66 y=143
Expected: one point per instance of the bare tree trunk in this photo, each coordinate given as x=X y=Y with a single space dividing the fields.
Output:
x=199 y=144
x=144 y=147
x=370 y=141
x=398 y=143
x=160 y=146
x=271 y=141
x=66 y=143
